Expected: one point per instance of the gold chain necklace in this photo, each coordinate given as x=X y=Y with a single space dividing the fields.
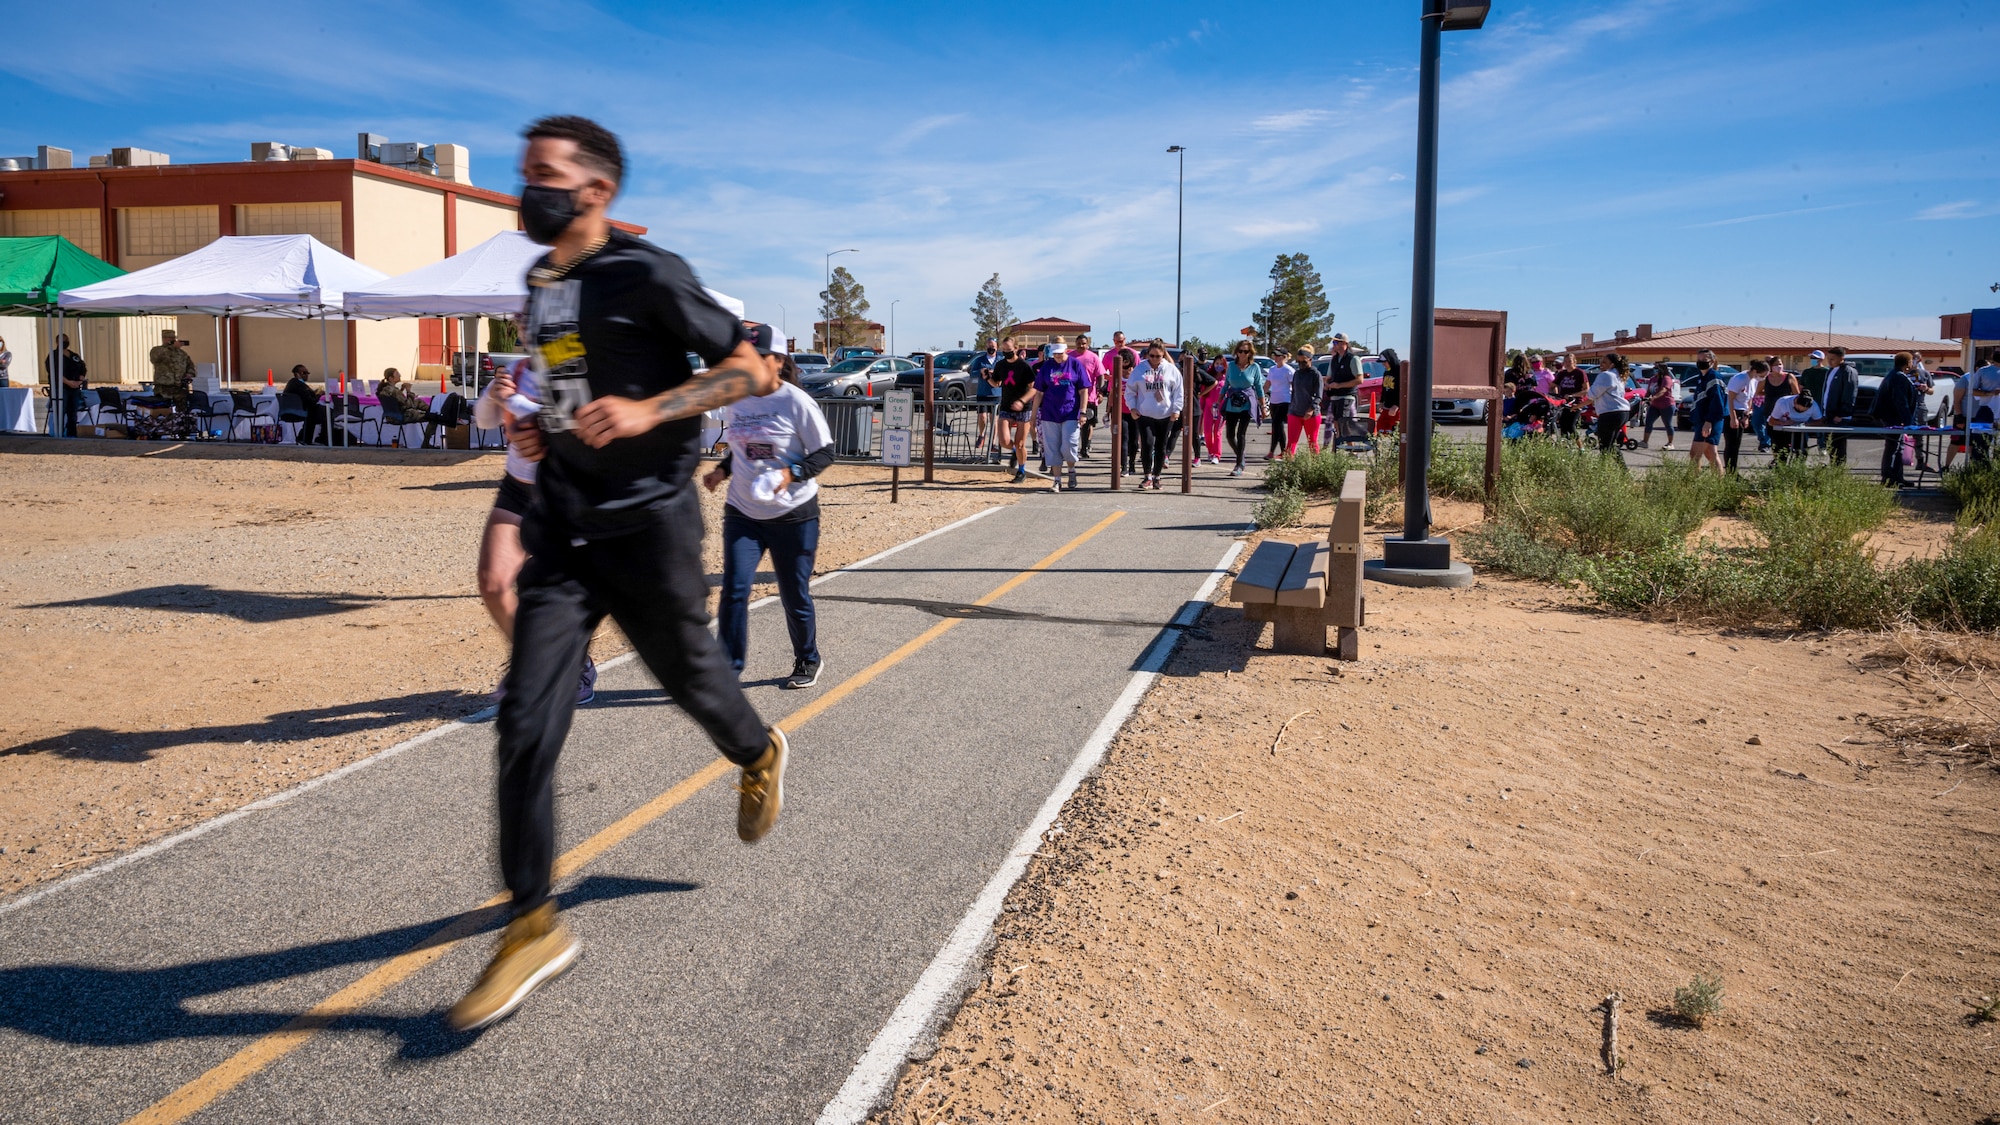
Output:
x=552 y=273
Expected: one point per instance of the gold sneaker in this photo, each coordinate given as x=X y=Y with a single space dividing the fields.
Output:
x=534 y=949
x=763 y=790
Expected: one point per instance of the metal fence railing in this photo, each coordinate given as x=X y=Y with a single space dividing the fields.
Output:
x=963 y=435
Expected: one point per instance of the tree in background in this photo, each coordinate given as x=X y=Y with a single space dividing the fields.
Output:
x=501 y=336
x=843 y=309
x=1195 y=345
x=1294 y=310
x=991 y=314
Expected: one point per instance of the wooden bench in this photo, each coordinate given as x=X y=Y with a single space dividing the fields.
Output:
x=1305 y=587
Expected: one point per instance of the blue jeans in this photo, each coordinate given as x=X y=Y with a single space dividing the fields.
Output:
x=1760 y=421
x=792 y=547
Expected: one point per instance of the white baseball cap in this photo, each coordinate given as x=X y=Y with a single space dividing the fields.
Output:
x=1057 y=347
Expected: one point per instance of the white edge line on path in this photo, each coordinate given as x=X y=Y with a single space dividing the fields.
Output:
x=943 y=980
x=280 y=797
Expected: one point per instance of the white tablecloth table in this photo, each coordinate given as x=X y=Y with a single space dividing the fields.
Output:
x=17 y=410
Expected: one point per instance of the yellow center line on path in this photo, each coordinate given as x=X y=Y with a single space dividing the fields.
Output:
x=233 y=1071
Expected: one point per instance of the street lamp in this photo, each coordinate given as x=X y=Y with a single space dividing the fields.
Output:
x=1180 y=229
x=785 y=324
x=1379 y=318
x=1416 y=555
x=892 y=324
x=827 y=317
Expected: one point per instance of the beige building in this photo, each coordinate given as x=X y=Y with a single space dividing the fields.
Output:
x=393 y=217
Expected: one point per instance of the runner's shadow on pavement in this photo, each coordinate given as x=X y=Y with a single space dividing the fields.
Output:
x=1220 y=640
x=89 y=1006
x=98 y=744
x=257 y=607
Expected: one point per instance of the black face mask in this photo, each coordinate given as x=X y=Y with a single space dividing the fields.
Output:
x=546 y=212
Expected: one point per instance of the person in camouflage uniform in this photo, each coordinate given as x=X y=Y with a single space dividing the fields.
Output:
x=173 y=371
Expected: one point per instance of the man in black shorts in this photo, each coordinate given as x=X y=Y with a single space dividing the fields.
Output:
x=615 y=528
x=1017 y=393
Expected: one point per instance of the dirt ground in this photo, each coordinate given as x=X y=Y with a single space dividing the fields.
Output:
x=188 y=629
x=1401 y=889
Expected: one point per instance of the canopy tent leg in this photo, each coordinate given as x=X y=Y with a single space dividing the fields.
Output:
x=326 y=374
x=217 y=326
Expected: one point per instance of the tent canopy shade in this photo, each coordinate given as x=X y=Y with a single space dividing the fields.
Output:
x=278 y=275
x=490 y=279
x=33 y=271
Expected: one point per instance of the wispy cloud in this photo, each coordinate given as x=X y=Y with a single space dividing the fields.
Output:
x=1758 y=218
x=1291 y=121
x=1957 y=209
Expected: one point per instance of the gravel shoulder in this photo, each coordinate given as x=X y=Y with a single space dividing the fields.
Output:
x=1400 y=889
x=189 y=629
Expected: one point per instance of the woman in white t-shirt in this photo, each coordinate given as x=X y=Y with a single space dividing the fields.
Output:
x=1607 y=398
x=777 y=444
x=1792 y=410
x=501 y=555
x=6 y=362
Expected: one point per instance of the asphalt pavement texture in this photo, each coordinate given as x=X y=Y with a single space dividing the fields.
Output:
x=718 y=982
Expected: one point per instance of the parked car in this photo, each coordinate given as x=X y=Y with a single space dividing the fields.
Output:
x=951 y=371
x=863 y=375
x=810 y=363
x=853 y=350
x=1873 y=368
x=489 y=362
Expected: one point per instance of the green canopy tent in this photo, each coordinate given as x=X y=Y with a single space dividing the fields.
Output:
x=34 y=271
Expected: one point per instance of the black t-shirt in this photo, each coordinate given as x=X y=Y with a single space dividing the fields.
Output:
x=1017 y=380
x=1569 y=383
x=621 y=322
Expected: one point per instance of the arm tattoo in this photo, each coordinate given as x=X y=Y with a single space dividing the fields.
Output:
x=718 y=386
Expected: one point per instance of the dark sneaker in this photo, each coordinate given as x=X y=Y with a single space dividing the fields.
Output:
x=586 y=688
x=805 y=673
x=763 y=790
x=534 y=949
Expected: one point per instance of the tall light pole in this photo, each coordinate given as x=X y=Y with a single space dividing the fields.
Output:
x=892 y=324
x=1379 y=318
x=785 y=324
x=827 y=341
x=1416 y=556
x=1180 y=230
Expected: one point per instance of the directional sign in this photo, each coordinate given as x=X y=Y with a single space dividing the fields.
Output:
x=896 y=447
x=899 y=409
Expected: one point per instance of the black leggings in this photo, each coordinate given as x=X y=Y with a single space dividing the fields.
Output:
x=1608 y=425
x=1236 y=430
x=1732 y=445
x=1279 y=411
x=1660 y=414
x=1152 y=444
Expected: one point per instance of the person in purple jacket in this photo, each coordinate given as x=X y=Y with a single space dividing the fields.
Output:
x=1062 y=386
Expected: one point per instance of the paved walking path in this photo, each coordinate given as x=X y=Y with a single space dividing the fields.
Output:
x=264 y=971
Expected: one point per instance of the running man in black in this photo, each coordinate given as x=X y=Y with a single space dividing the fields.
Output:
x=615 y=527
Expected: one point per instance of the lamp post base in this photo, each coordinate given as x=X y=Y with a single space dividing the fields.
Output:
x=1418 y=562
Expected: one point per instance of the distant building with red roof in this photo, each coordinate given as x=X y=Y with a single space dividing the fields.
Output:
x=1045 y=330
x=1739 y=345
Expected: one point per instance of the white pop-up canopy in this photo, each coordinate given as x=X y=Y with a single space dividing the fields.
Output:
x=490 y=280
x=274 y=275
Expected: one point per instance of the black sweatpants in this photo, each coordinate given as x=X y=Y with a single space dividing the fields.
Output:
x=1152 y=443
x=650 y=582
x=1279 y=411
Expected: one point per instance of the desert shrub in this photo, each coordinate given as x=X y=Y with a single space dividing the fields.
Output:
x=1959 y=589
x=1701 y=999
x=1976 y=487
x=1508 y=548
x=1458 y=468
x=1284 y=507
x=1587 y=504
x=1314 y=474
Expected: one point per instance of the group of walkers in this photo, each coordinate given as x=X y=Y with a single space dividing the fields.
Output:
x=1766 y=402
x=1058 y=396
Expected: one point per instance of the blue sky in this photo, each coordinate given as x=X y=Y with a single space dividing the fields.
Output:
x=1604 y=164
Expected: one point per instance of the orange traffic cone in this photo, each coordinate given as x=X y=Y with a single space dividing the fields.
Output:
x=442 y=389
x=267 y=378
x=343 y=382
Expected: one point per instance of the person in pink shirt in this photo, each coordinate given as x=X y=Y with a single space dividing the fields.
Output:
x=1110 y=361
x=1095 y=366
x=1211 y=407
x=1544 y=379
